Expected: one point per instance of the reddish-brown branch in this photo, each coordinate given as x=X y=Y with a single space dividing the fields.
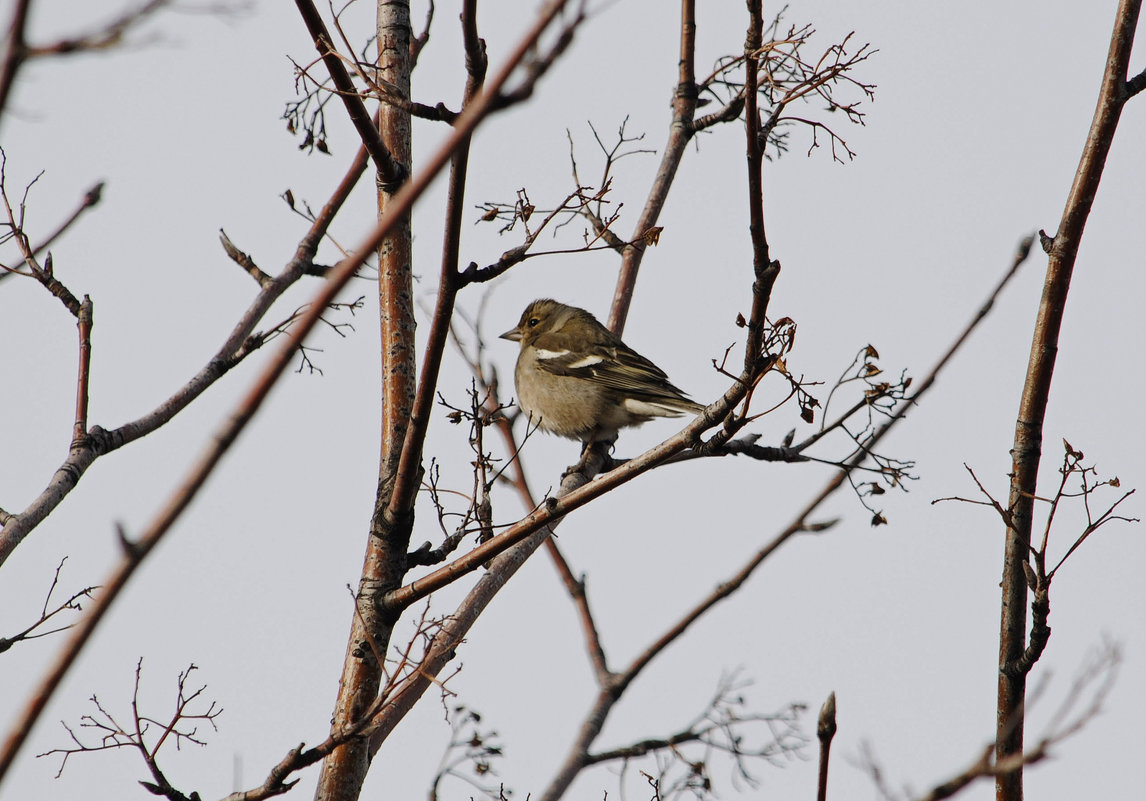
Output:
x=407 y=477
x=392 y=171
x=406 y=418
x=419 y=42
x=1027 y=448
x=84 y=326
x=15 y=50
x=681 y=132
x=554 y=508
x=384 y=562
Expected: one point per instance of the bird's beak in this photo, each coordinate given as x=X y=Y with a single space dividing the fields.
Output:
x=513 y=335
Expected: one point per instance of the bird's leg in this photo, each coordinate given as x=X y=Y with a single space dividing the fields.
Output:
x=594 y=450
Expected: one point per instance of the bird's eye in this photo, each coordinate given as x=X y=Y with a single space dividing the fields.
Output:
x=532 y=322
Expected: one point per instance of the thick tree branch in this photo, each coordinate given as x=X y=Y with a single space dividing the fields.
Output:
x=384 y=563
x=406 y=483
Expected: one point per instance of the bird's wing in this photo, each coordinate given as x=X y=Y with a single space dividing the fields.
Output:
x=612 y=364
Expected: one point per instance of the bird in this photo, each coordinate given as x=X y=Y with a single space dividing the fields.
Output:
x=575 y=378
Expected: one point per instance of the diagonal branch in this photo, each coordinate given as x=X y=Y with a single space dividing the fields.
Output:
x=608 y=696
x=681 y=131
x=15 y=50
x=392 y=173
x=241 y=342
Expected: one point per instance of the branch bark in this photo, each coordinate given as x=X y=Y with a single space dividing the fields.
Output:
x=393 y=170
x=15 y=50
x=1027 y=447
x=681 y=132
x=384 y=564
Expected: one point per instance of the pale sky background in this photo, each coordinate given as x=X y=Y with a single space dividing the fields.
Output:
x=980 y=114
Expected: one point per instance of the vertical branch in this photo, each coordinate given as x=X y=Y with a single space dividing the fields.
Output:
x=84 y=324
x=755 y=155
x=384 y=565
x=391 y=166
x=1027 y=448
x=825 y=731
x=406 y=406
x=395 y=256
x=680 y=132
x=408 y=475
x=15 y=50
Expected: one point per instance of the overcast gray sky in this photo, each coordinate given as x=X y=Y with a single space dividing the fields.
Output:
x=980 y=115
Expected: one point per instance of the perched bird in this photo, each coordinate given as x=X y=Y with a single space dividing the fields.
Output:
x=577 y=379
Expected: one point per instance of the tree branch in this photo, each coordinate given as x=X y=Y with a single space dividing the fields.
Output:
x=1027 y=447
x=392 y=172
x=681 y=131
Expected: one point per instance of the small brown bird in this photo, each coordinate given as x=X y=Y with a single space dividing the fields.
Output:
x=577 y=379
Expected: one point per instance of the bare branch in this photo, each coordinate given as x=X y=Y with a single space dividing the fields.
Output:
x=72 y=603
x=145 y=734
x=1027 y=448
x=391 y=172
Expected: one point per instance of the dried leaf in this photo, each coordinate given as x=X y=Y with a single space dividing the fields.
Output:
x=1029 y=573
x=653 y=235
